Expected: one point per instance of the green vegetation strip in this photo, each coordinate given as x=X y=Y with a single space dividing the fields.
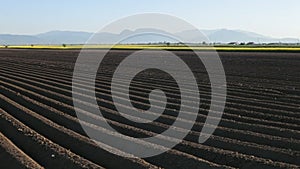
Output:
x=162 y=47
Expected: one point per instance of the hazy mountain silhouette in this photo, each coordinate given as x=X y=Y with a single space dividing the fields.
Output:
x=68 y=37
x=19 y=39
x=153 y=35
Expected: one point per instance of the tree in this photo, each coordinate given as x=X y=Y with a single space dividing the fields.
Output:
x=64 y=45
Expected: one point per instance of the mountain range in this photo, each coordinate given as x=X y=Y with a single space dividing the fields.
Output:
x=189 y=36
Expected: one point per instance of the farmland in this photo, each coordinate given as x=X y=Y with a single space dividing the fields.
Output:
x=260 y=127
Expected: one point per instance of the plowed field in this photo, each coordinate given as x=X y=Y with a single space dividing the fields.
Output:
x=260 y=127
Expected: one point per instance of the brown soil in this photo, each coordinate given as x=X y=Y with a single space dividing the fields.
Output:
x=260 y=127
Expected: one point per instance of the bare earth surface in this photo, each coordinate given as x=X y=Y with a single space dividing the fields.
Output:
x=260 y=127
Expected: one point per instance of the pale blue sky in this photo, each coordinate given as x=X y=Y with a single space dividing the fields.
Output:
x=277 y=18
